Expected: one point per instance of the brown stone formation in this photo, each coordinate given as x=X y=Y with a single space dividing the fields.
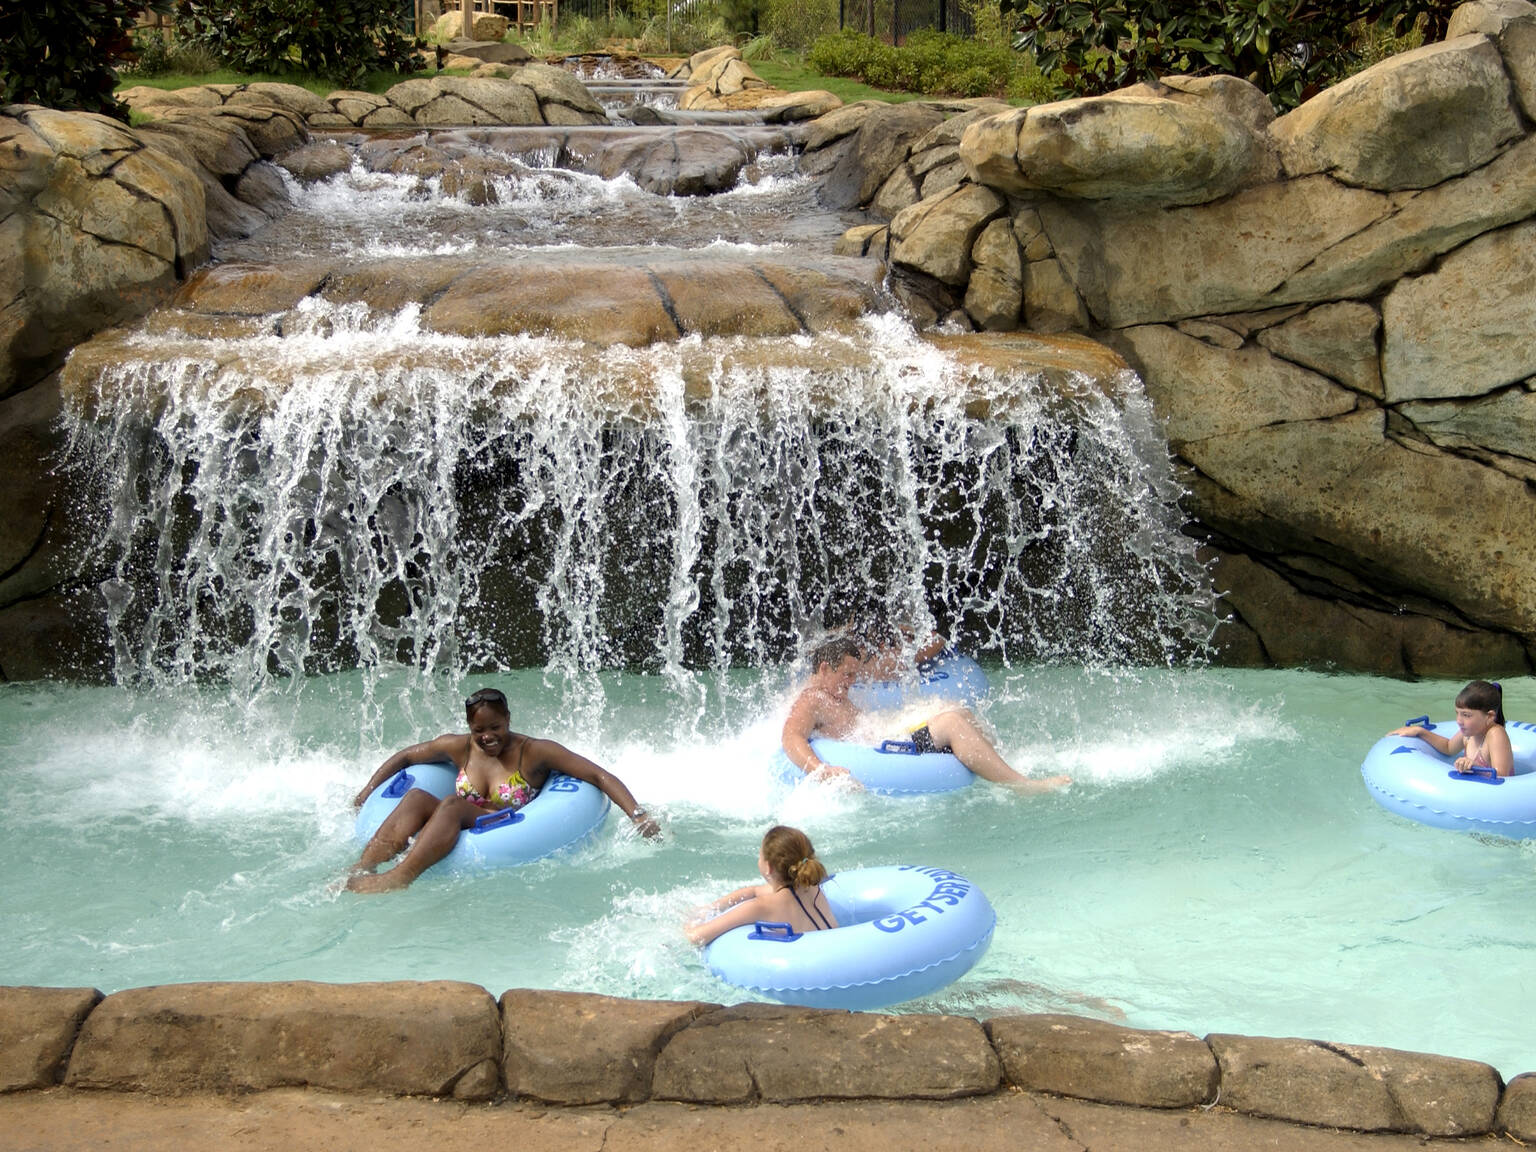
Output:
x=447 y=1039
x=1330 y=310
x=435 y=1039
x=1332 y=313
x=1065 y=1054
x=1354 y=1086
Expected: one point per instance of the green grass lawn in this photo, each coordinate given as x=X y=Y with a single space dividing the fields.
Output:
x=793 y=76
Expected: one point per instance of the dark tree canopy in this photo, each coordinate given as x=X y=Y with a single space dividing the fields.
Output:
x=1289 y=48
x=63 y=53
x=338 y=39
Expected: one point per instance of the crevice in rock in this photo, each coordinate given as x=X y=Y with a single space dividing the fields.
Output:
x=666 y=301
x=1341 y=1053
x=783 y=299
x=29 y=555
x=107 y=240
x=1061 y=1125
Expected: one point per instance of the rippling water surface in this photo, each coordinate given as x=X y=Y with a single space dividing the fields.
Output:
x=317 y=489
x=1217 y=867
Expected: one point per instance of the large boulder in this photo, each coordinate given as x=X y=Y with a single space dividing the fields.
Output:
x=1369 y=130
x=438 y=1038
x=1464 y=329
x=563 y=99
x=38 y=1027
x=770 y=1053
x=1354 y=1086
x=1511 y=24
x=1139 y=265
x=1140 y=149
x=577 y=1048
x=689 y=162
x=1343 y=490
x=1096 y=1060
x=467 y=100
x=94 y=228
x=935 y=236
x=855 y=165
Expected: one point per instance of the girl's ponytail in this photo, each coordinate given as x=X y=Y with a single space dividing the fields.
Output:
x=1483 y=696
x=791 y=858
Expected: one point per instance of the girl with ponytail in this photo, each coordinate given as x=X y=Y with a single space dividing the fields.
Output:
x=1481 y=740
x=790 y=895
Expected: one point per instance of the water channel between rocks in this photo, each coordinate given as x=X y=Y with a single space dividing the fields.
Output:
x=356 y=440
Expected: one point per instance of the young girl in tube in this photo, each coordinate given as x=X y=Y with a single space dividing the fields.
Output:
x=1481 y=740
x=790 y=894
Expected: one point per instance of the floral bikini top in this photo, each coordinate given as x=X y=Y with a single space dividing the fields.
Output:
x=513 y=792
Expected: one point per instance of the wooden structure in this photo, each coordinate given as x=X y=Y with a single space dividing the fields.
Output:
x=523 y=15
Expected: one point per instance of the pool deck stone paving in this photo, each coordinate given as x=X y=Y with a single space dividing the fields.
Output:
x=343 y=1066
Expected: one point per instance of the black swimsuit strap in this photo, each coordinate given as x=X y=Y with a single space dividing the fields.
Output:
x=811 y=913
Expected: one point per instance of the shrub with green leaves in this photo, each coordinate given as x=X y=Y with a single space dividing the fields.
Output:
x=930 y=62
x=795 y=24
x=64 y=53
x=339 y=39
x=1289 y=48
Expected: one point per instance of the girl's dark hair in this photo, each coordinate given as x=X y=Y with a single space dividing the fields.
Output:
x=491 y=698
x=1483 y=696
x=789 y=856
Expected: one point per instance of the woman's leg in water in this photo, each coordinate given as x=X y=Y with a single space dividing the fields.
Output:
x=437 y=833
x=958 y=731
x=407 y=819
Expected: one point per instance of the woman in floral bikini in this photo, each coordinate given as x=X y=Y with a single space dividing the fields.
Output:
x=498 y=769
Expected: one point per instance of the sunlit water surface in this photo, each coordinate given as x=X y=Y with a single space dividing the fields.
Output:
x=1217 y=867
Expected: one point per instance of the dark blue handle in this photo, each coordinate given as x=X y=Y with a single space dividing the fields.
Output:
x=496 y=819
x=1477 y=776
x=400 y=785
x=905 y=747
x=1417 y=722
x=777 y=930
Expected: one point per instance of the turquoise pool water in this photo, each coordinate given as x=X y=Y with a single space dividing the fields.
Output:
x=1218 y=865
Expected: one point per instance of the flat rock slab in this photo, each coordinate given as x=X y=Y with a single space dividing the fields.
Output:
x=764 y=1052
x=1093 y=1059
x=580 y=1048
x=37 y=1028
x=438 y=1038
x=288 y=1119
x=1355 y=1086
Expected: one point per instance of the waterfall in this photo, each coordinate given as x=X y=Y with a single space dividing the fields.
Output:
x=336 y=488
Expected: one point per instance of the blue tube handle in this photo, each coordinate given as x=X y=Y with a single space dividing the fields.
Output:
x=776 y=930
x=496 y=819
x=402 y=783
x=1477 y=776
x=905 y=747
x=1417 y=722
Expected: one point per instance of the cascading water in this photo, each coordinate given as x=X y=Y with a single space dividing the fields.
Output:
x=355 y=490
x=326 y=511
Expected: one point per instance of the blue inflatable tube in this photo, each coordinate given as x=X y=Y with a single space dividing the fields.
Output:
x=947 y=677
x=1405 y=775
x=894 y=768
x=903 y=932
x=564 y=814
